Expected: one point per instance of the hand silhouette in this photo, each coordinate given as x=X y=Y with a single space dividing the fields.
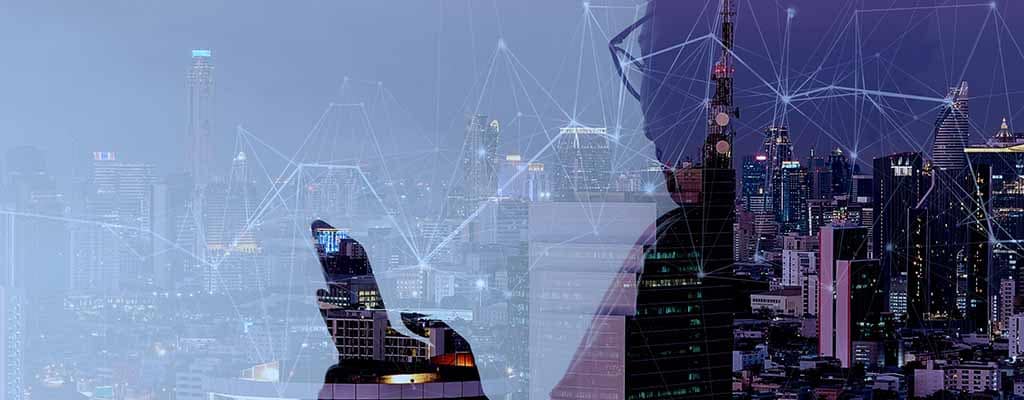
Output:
x=376 y=361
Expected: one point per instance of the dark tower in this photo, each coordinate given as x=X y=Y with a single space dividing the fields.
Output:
x=721 y=110
x=679 y=342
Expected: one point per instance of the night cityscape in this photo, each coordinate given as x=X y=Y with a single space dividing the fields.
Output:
x=718 y=199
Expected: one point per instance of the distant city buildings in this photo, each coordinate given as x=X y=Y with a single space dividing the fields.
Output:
x=478 y=167
x=109 y=254
x=584 y=157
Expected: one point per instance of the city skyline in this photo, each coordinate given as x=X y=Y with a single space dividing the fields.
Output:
x=596 y=224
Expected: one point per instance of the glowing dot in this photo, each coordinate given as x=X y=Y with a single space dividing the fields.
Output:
x=586 y=5
x=790 y=12
x=992 y=4
x=501 y=43
x=480 y=284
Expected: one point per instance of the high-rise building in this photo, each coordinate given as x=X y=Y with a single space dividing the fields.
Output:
x=479 y=167
x=232 y=252
x=819 y=178
x=177 y=217
x=757 y=201
x=1000 y=157
x=851 y=325
x=1004 y=310
x=585 y=162
x=778 y=149
x=12 y=342
x=1015 y=336
x=754 y=182
x=958 y=252
x=952 y=128
x=230 y=206
x=793 y=194
x=107 y=254
x=899 y=187
x=520 y=179
x=977 y=285
x=841 y=173
x=35 y=248
x=199 y=151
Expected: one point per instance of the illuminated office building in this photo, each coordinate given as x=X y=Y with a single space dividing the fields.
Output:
x=899 y=185
x=584 y=162
x=852 y=327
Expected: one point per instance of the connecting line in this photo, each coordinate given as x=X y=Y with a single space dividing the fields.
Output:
x=874 y=92
x=444 y=242
x=871 y=10
x=108 y=226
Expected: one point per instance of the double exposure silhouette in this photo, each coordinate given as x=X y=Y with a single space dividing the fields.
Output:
x=665 y=331
x=375 y=360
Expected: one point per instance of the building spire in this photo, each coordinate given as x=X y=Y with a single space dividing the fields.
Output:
x=721 y=111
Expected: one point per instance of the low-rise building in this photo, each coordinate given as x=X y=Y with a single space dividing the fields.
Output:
x=786 y=301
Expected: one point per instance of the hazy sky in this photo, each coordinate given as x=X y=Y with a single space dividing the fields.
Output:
x=85 y=76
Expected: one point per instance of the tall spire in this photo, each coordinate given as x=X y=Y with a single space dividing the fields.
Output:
x=721 y=111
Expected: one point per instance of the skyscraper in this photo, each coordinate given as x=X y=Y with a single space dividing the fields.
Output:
x=200 y=109
x=841 y=173
x=37 y=247
x=958 y=252
x=12 y=342
x=119 y=200
x=229 y=208
x=793 y=194
x=899 y=188
x=1001 y=156
x=754 y=182
x=779 y=149
x=951 y=132
x=585 y=162
x=850 y=303
x=479 y=167
x=819 y=178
